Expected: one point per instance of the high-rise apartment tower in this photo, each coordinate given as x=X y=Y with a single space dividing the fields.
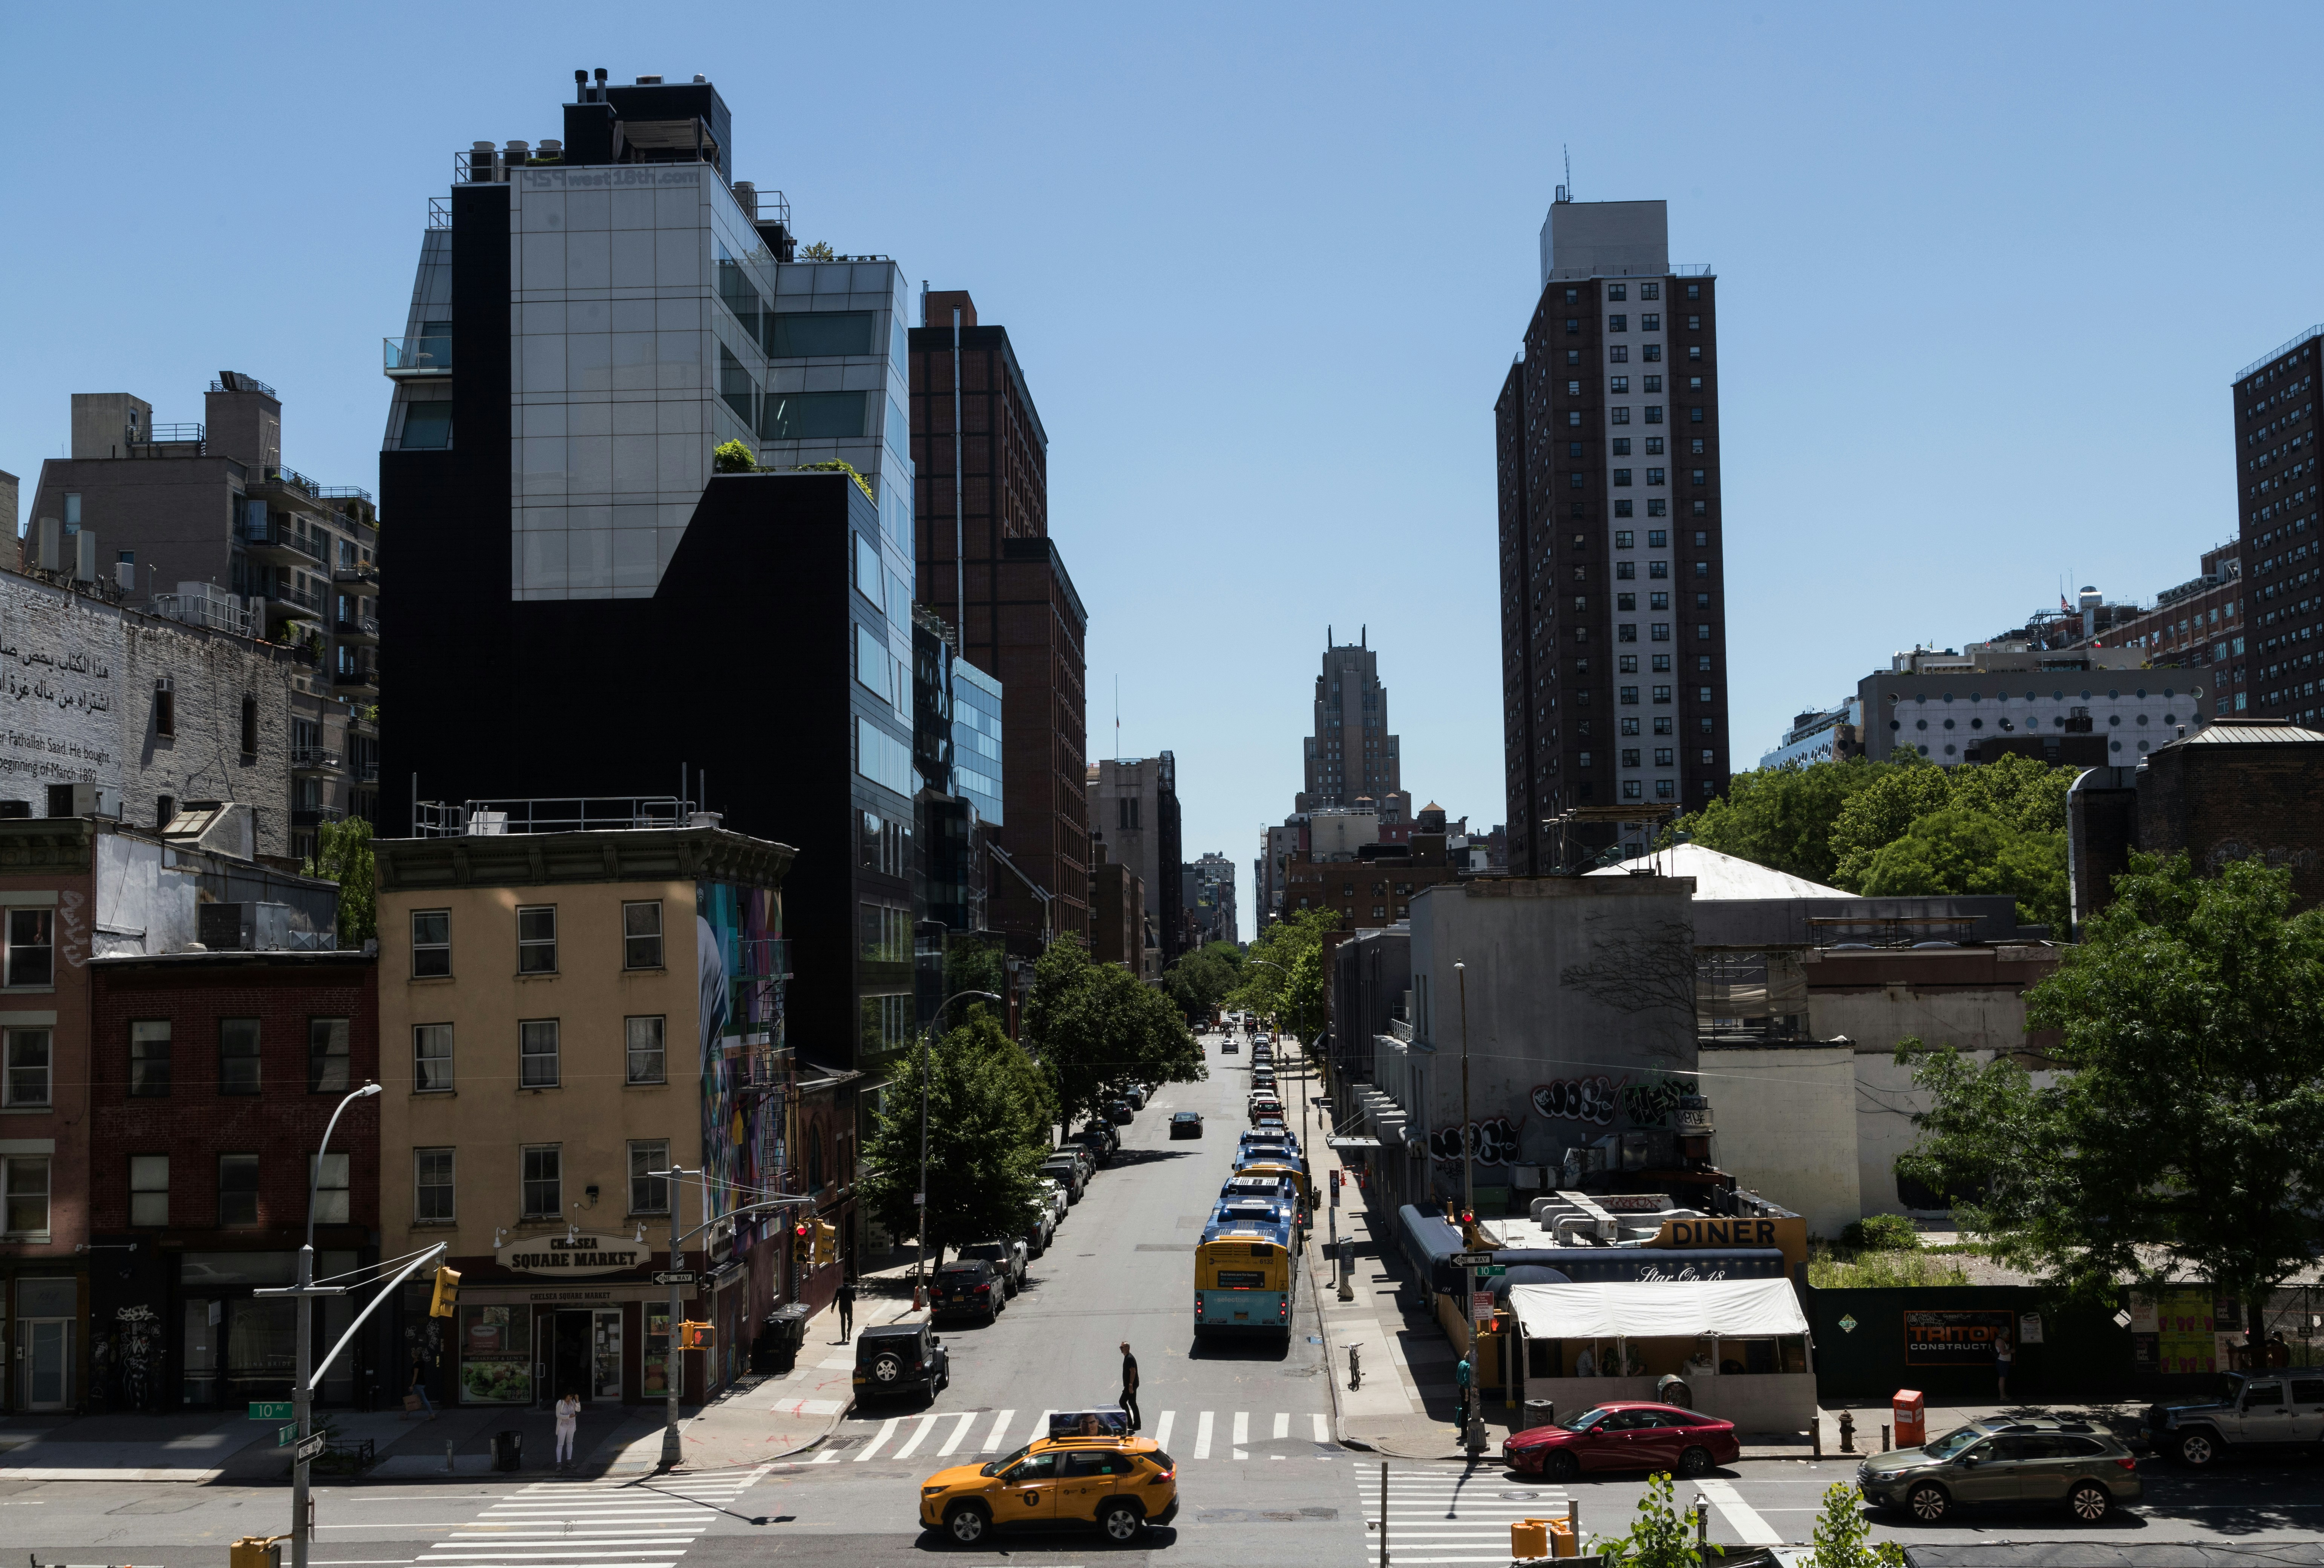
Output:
x=2277 y=492
x=1613 y=603
x=1350 y=756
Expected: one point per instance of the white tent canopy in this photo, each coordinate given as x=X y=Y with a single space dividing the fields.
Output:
x=1642 y=1309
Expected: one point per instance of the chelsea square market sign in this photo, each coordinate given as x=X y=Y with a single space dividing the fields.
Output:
x=572 y=1259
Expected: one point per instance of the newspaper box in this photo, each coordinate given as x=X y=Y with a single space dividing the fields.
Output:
x=1910 y=1411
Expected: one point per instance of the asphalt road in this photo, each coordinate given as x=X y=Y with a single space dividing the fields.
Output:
x=1255 y=1485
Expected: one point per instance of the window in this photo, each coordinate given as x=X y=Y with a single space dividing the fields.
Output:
x=149 y=1189
x=148 y=1056
x=431 y=1059
x=431 y=944
x=1622 y=509
x=1629 y=756
x=1654 y=477
x=1630 y=725
x=1626 y=601
x=249 y=729
x=1662 y=724
x=544 y=1181
x=1573 y=418
x=647 y=1062
x=1617 y=323
x=1703 y=693
x=1662 y=661
x=1619 y=384
x=1624 y=539
x=31 y=947
x=641 y=936
x=238 y=1056
x=1617 y=354
x=1651 y=353
x=431 y=1187
x=538 y=1054
x=1663 y=757
x=1621 y=476
x=1662 y=694
x=1634 y=790
x=1657 y=569
x=1584 y=761
x=1650 y=322
x=25 y=1180
x=1629 y=693
x=165 y=709
x=328 y=1175
x=326 y=1056
x=1706 y=757
x=1693 y=292
x=1626 y=569
x=1650 y=291
x=1573 y=325
x=1627 y=663
x=1574 y=296
x=1573 y=357
x=1617 y=291
x=25 y=1079
x=237 y=1189
x=536 y=939
x=1619 y=416
x=1666 y=789
x=649 y=1194
x=818 y=334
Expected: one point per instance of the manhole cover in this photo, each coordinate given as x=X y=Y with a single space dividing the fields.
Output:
x=1520 y=1497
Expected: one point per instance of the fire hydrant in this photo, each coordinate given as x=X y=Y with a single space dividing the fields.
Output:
x=1846 y=1432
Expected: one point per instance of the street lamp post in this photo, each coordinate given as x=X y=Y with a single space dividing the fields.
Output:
x=302 y=1397
x=1472 y=1431
x=921 y=1198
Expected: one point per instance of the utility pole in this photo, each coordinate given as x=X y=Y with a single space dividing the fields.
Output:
x=673 y=1366
x=1472 y=1431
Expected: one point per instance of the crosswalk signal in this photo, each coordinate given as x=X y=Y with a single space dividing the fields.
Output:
x=447 y=1293
x=693 y=1336
x=827 y=1244
x=802 y=1244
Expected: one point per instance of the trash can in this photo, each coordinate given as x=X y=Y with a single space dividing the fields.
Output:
x=256 y=1552
x=1540 y=1413
x=1909 y=1410
x=1672 y=1389
x=776 y=1350
x=508 y=1451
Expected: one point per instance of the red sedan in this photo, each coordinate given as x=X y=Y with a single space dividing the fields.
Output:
x=1626 y=1434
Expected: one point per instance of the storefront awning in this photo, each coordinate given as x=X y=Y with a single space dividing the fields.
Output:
x=1657 y=1309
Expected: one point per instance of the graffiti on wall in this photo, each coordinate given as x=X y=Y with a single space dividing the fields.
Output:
x=1493 y=1141
x=741 y=1019
x=140 y=1334
x=1590 y=1100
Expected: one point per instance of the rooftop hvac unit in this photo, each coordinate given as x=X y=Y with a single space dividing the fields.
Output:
x=49 y=546
x=84 y=556
x=125 y=573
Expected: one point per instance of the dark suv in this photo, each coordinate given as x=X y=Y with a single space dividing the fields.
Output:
x=971 y=1286
x=900 y=1358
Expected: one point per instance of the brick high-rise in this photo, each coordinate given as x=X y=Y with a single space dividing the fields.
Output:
x=1006 y=592
x=1613 y=603
x=2276 y=494
x=1350 y=756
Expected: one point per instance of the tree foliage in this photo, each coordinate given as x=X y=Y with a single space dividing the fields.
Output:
x=2184 y=1132
x=1782 y=818
x=732 y=457
x=343 y=855
x=1660 y=1536
x=1096 y=1030
x=1840 y=1533
x=1201 y=979
x=987 y=1135
x=1959 y=850
x=1284 y=974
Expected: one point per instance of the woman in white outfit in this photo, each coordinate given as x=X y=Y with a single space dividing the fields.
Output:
x=568 y=1421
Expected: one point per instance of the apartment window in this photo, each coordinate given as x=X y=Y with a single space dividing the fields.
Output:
x=24 y=1188
x=647 y=1062
x=149 y=1189
x=25 y=1069
x=1573 y=325
x=148 y=1056
x=1652 y=353
x=326 y=1056
x=1617 y=291
x=238 y=1056
x=1573 y=418
x=1617 y=354
x=544 y=1181
x=1573 y=357
x=1627 y=630
x=538 y=1053
x=1666 y=789
x=431 y=1187
x=1629 y=756
x=1619 y=416
x=1650 y=322
x=1650 y=291
x=1664 y=756
x=1694 y=417
x=1624 y=539
x=1703 y=632
x=1662 y=694
x=1573 y=389
x=237 y=1189
x=1625 y=569
x=1654 y=477
x=431 y=944
x=648 y=1193
x=1619 y=386
x=431 y=1059
x=1574 y=296
x=1629 y=693
x=1701 y=539
x=1584 y=761
x=1657 y=507
x=641 y=936
x=1693 y=292
x=1621 y=476
x=1626 y=601
x=1703 y=693
x=1657 y=569
x=1702 y=568
x=1707 y=757
x=165 y=709
x=536 y=939
x=1662 y=663
x=1622 y=508
x=31 y=947
x=1634 y=790
x=327 y=1175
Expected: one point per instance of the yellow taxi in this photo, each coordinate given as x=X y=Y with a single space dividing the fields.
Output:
x=1119 y=1484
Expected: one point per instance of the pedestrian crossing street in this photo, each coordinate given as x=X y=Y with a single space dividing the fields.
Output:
x=959 y=1435
x=624 y=1524
x=1445 y=1517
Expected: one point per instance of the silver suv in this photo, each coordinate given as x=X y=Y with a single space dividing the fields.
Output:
x=2279 y=1408
x=1999 y=1461
x=1008 y=1260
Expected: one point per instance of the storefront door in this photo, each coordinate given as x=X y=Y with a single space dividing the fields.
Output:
x=44 y=1348
x=572 y=1369
x=202 y=1320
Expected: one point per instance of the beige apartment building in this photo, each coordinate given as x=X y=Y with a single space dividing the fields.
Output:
x=563 y=1013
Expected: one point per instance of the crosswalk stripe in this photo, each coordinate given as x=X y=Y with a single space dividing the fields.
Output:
x=1202 y=1437
x=1241 y=1432
x=999 y=1428
x=1756 y=1531
x=1162 y=1433
x=959 y=1430
x=887 y=1430
x=1323 y=1428
x=1282 y=1424
x=927 y=1424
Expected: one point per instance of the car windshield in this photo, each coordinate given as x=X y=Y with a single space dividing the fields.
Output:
x=1953 y=1442
x=998 y=1465
x=966 y=1271
x=2231 y=1390
x=1584 y=1422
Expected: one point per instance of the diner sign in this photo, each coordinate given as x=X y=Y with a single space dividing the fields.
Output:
x=1954 y=1339
x=575 y=1256
x=1787 y=1233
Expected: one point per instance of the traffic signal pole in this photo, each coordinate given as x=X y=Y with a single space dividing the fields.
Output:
x=673 y=1368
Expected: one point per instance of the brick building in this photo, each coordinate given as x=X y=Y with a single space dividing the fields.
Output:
x=2277 y=492
x=1372 y=888
x=989 y=567
x=213 y=1076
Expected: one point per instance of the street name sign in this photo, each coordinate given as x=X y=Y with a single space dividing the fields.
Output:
x=675 y=1276
x=270 y=1410
x=1471 y=1259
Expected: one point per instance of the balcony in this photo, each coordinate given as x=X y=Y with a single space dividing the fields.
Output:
x=357 y=629
x=366 y=772
x=362 y=680
x=366 y=575
x=279 y=540
x=315 y=759
x=415 y=358
x=285 y=600
x=314 y=815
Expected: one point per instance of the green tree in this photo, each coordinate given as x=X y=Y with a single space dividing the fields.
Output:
x=732 y=457
x=2183 y=1134
x=1096 y=1030
x=1782 y=818
x=1840 y=1531
x=987 y=1135
x=1201 y=979
x=1284 y=975
x=1881 y=812
x=343 y=855
x=1961 y=850
x=975 y=963
x=1659 y=1538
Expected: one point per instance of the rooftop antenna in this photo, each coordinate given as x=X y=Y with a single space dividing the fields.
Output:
x=1565 y=192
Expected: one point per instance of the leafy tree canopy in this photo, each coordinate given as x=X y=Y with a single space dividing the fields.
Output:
x=343 y=855
x=1201 y=979
x=1284 y=974
x=2182 y=1134
x=1959 y=850
x=1782 y=818
x=1096 y=1030
x=987 y=1135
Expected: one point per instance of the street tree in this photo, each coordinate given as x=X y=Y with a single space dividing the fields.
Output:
x=987 y=1135
x=1095 y=1029
x=1201 y=979
x=1284 y=975
x=2182 y=1135
x=1962 y=850
x=1782 y=818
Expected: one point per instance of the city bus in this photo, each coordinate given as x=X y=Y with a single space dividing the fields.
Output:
x=1246 y=1270
x=1290 y=1167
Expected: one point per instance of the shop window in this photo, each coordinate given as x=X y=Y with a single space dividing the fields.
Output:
x=654 y=1383
x=238 y=1202
x=544 y=1181
x=431 y=944
x=149 y=1189
x=326 y=1056
x=496 y=1355
x=149 y=1057
x=648 y=1064
x=25 y=1069
x=536 y=1050
x=641 y=936
x=238 y=1056
x=31 y=958
x=649 y=1193
x=24 y=1192
x=431 y=1057
x=431 y=1187
x=326 y=1177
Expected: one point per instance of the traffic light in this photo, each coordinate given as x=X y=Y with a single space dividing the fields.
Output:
x=827 y=1244
x=447 y=1293
x=693 y=1336
x=802 y=1243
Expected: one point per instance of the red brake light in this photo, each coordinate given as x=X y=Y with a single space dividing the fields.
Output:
x=2127 y=1462
x=983 y=1289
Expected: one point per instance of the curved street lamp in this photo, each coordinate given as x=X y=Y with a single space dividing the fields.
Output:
x=302 y=1397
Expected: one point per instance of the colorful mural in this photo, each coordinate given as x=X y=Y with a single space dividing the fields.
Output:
x=736 y=941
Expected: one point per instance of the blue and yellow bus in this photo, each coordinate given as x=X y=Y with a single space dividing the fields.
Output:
x=1246 y=1270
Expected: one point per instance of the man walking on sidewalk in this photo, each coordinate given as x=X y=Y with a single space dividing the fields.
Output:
x=1130 y=1386
x=847 y=1309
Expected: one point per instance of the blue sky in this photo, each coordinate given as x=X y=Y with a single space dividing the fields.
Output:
x=1984 y=274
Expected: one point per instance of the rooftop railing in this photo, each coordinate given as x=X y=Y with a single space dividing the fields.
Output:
x=415 y=357
x=552 y=814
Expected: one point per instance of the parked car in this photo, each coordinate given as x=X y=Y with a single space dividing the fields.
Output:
x=1136 y=1096
x=1009 y=1260
x=1065 y=1171
x=1053 y=1194
x=2275 y=1409
x=971 y=1286
x=2066 y=1463
x=1097 y=1146
x=900 y=1358
x=1040 y=1231
x=1186 y=1124
x=1119 y=1484
x=1119 y=1112
x=1624 y=1435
